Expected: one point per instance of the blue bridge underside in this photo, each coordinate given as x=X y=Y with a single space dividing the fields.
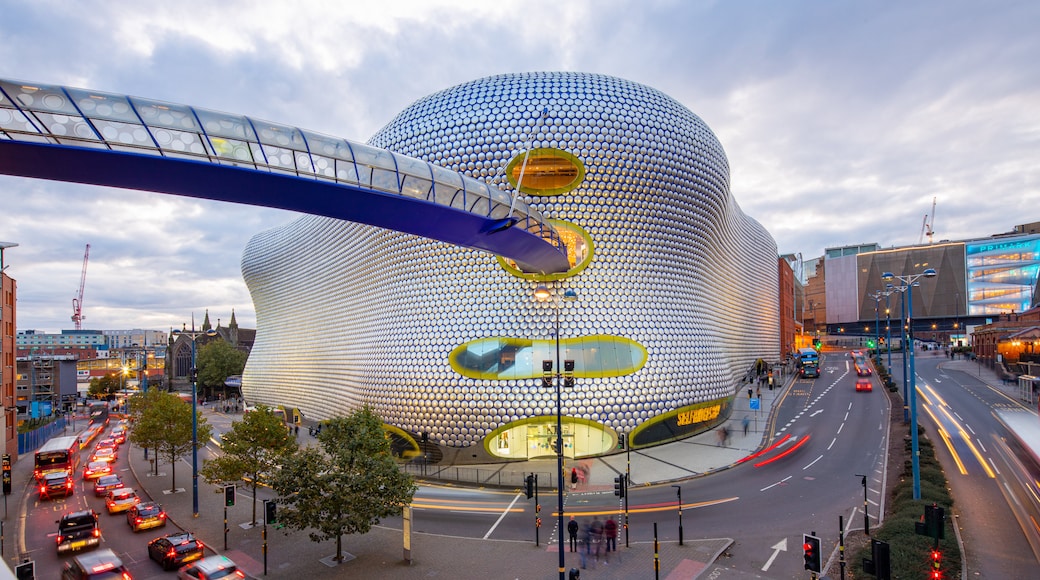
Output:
x=203 y=180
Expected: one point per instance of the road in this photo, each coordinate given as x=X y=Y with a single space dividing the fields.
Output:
x=995 y=499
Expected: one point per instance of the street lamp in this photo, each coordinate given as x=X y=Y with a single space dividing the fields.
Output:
x=909 y=282
x=192 y=335
x=888 y=327
x=542 y=293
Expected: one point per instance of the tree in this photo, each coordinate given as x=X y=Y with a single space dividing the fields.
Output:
x=103 y=388
x=253 y=450
x=163 y=421
x=345 y=484
x=217 y=360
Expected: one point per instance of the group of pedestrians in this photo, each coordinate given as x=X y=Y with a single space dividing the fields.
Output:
x=594 y=540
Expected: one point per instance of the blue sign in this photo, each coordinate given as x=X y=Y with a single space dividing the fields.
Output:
x=756 y=404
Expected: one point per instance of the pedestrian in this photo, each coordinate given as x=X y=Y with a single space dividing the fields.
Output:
x=297 y=430
x=758 y=392
x=770 y=383
x=574 y=478
x=586 y=540
x=749 y=391
x=725 y=436
x=572 y=531
x=596 y=535
x=610 y=536
x=745 y=422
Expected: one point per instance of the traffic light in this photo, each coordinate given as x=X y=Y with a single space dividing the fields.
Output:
x=621 y=441
x=620 y=485
x=936 y=565
x=811 y=553
x=529 y=485
x=568 y=373
x=270 y=512
x=194 y=375
x=26 y=570
x=547 y=379
x=7 y=474
x=229 y=495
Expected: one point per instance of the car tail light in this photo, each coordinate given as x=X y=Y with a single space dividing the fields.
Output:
x=96 y=533
x=240 y=574
x=200 y=545
x=172 y=553
x=61 y=538
x=43 y=489
x=68 y=484
x=137 y=520
x=126 y=576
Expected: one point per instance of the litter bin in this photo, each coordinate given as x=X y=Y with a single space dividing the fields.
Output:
x=574 y=574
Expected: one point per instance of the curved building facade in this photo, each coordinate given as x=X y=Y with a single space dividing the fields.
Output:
x=671 y=297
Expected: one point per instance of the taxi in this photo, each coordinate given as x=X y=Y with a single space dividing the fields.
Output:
x=121 y=499
x=96 y=469
x=104 y=454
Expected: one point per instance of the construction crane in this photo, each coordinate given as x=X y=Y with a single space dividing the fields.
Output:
x=77 y=302
x=927 y=226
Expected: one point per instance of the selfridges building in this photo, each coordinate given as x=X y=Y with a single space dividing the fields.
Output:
x=671 y=298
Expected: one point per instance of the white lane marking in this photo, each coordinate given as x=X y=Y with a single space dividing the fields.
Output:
x=777 y=548
x=777 y=483
x=981 y=445
x=816 y=412
x=968 y=427
x=833 y=441
x=840 y=427
x=504 y=512
x=812 y=462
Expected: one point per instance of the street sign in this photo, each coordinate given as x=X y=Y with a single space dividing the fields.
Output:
x=7 y=474
x=756 y=403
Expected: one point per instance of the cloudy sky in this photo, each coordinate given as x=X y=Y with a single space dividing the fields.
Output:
x=842 y=120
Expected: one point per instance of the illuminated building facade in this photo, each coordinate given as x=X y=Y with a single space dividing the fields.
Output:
x=677 y=289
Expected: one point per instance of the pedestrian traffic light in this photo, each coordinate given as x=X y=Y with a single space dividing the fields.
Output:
x=621 y=441
x=229 y=495
x=194 y=375
x=547 y=379
x=270 y=512
x=936 y=565
x=811 y=553
x=529 y=485
x=620 y=483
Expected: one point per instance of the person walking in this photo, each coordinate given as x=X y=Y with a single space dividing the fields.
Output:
x=596 y=535
x=586 y=548
x=745 y=422
x=572 y=531
x=610 y=536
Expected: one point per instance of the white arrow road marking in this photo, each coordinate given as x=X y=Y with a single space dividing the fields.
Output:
x=780 y=546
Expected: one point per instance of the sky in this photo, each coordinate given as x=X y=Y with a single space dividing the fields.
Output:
x=842 y=120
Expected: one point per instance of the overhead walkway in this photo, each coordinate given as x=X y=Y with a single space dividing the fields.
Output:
x=82 y=136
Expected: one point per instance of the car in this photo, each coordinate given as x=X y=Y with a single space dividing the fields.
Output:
x=864 y=384
x=810 y=371
x=96 y=469
x=107 y=483
x=119 y=434
x=107 y=442
x=99 y=565
x=146 y=515
x=211 y=568
x=56 y=483
x=103 y=454
x=78 y=530
x=121 y=499
x=173 y=550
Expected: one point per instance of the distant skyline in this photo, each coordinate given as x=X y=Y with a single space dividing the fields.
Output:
x=841 y=121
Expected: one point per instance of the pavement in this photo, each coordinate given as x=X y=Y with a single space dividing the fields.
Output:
x=380 y=553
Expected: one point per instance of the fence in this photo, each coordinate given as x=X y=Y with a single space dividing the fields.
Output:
x=32 y=440
x=503 y=476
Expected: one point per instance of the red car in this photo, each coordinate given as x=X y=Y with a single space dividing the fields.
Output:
x=864 y=384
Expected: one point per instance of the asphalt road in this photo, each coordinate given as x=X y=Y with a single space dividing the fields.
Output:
x=996 y=508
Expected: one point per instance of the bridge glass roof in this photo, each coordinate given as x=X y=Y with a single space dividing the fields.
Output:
x=93 y=119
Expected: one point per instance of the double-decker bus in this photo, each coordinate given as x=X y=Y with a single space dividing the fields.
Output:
x=58 y=454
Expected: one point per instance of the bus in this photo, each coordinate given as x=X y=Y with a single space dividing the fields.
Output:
x=58 y=454
x=808 y=355
x=99 y=414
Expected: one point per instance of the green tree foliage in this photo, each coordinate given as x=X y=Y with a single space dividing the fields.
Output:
x=253 y=450
x=345 y=484
x=103 y=388
x=218 y=360
x=162 y=421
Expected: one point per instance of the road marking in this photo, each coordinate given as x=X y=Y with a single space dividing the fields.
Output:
x=784 y=480
x=833 y=441
x=817 y=412
x=778 y=547
x=503 y=515
x=812 y=462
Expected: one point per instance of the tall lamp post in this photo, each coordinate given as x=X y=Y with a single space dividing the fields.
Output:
x=888 y=327
x=542 y=293
x=909 y=282
x=877 y=326
x=193 y=335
